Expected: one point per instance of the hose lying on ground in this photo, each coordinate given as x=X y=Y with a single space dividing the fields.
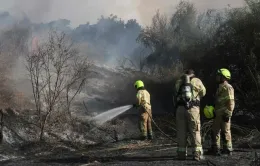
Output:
x=160 y=128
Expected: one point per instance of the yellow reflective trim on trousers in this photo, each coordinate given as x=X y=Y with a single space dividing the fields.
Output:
x=198 y=149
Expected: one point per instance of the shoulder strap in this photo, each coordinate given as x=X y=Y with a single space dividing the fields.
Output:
x=181 y=85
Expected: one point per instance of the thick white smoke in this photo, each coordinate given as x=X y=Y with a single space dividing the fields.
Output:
x=81 y=11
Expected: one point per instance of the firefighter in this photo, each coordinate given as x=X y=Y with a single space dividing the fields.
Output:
x=224 y=107
x=144 y=105
x=189 y=91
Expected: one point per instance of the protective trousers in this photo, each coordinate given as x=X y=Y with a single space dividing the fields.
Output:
x=221 y=129
x=146 y=123
x=188 y=121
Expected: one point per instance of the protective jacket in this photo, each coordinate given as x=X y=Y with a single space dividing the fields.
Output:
x=144 y=106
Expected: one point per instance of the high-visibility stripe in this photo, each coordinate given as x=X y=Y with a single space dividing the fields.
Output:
x=225 y=98
x=198 y=149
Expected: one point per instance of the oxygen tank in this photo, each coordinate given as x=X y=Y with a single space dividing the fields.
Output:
x=186 y=91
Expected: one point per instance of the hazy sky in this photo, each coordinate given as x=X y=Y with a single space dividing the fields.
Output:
x=81 y=11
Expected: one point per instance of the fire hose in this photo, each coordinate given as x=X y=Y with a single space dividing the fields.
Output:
x=160 y=128
x=161 y=131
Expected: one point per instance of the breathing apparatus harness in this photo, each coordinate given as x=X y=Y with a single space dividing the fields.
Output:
x=185 y=95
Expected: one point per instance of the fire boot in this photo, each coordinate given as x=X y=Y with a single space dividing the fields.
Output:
x=150 y=137
x=197 y=155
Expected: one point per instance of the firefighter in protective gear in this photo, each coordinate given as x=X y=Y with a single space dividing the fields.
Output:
x=224 y=107
x=144 y=105
x=188 y=115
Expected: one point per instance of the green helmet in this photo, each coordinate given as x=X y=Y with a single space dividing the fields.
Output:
x=138 y=84
x=225 y=72
x=208 y=111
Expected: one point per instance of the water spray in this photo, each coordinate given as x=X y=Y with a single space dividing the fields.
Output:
x=110 y=114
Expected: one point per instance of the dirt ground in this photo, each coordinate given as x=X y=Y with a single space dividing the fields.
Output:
x=128 y=152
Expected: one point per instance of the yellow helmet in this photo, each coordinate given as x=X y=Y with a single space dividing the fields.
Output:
x=225 y=72
x=208 y=111
x=138 y=84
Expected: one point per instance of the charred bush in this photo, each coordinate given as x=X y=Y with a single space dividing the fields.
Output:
x=206 y=42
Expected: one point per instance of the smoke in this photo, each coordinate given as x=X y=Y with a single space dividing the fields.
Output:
x=147 y=8
x=82 y=11
x=35 y=10
x=113 y=43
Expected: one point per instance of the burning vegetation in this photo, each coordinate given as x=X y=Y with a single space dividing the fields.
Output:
x=49 y=90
